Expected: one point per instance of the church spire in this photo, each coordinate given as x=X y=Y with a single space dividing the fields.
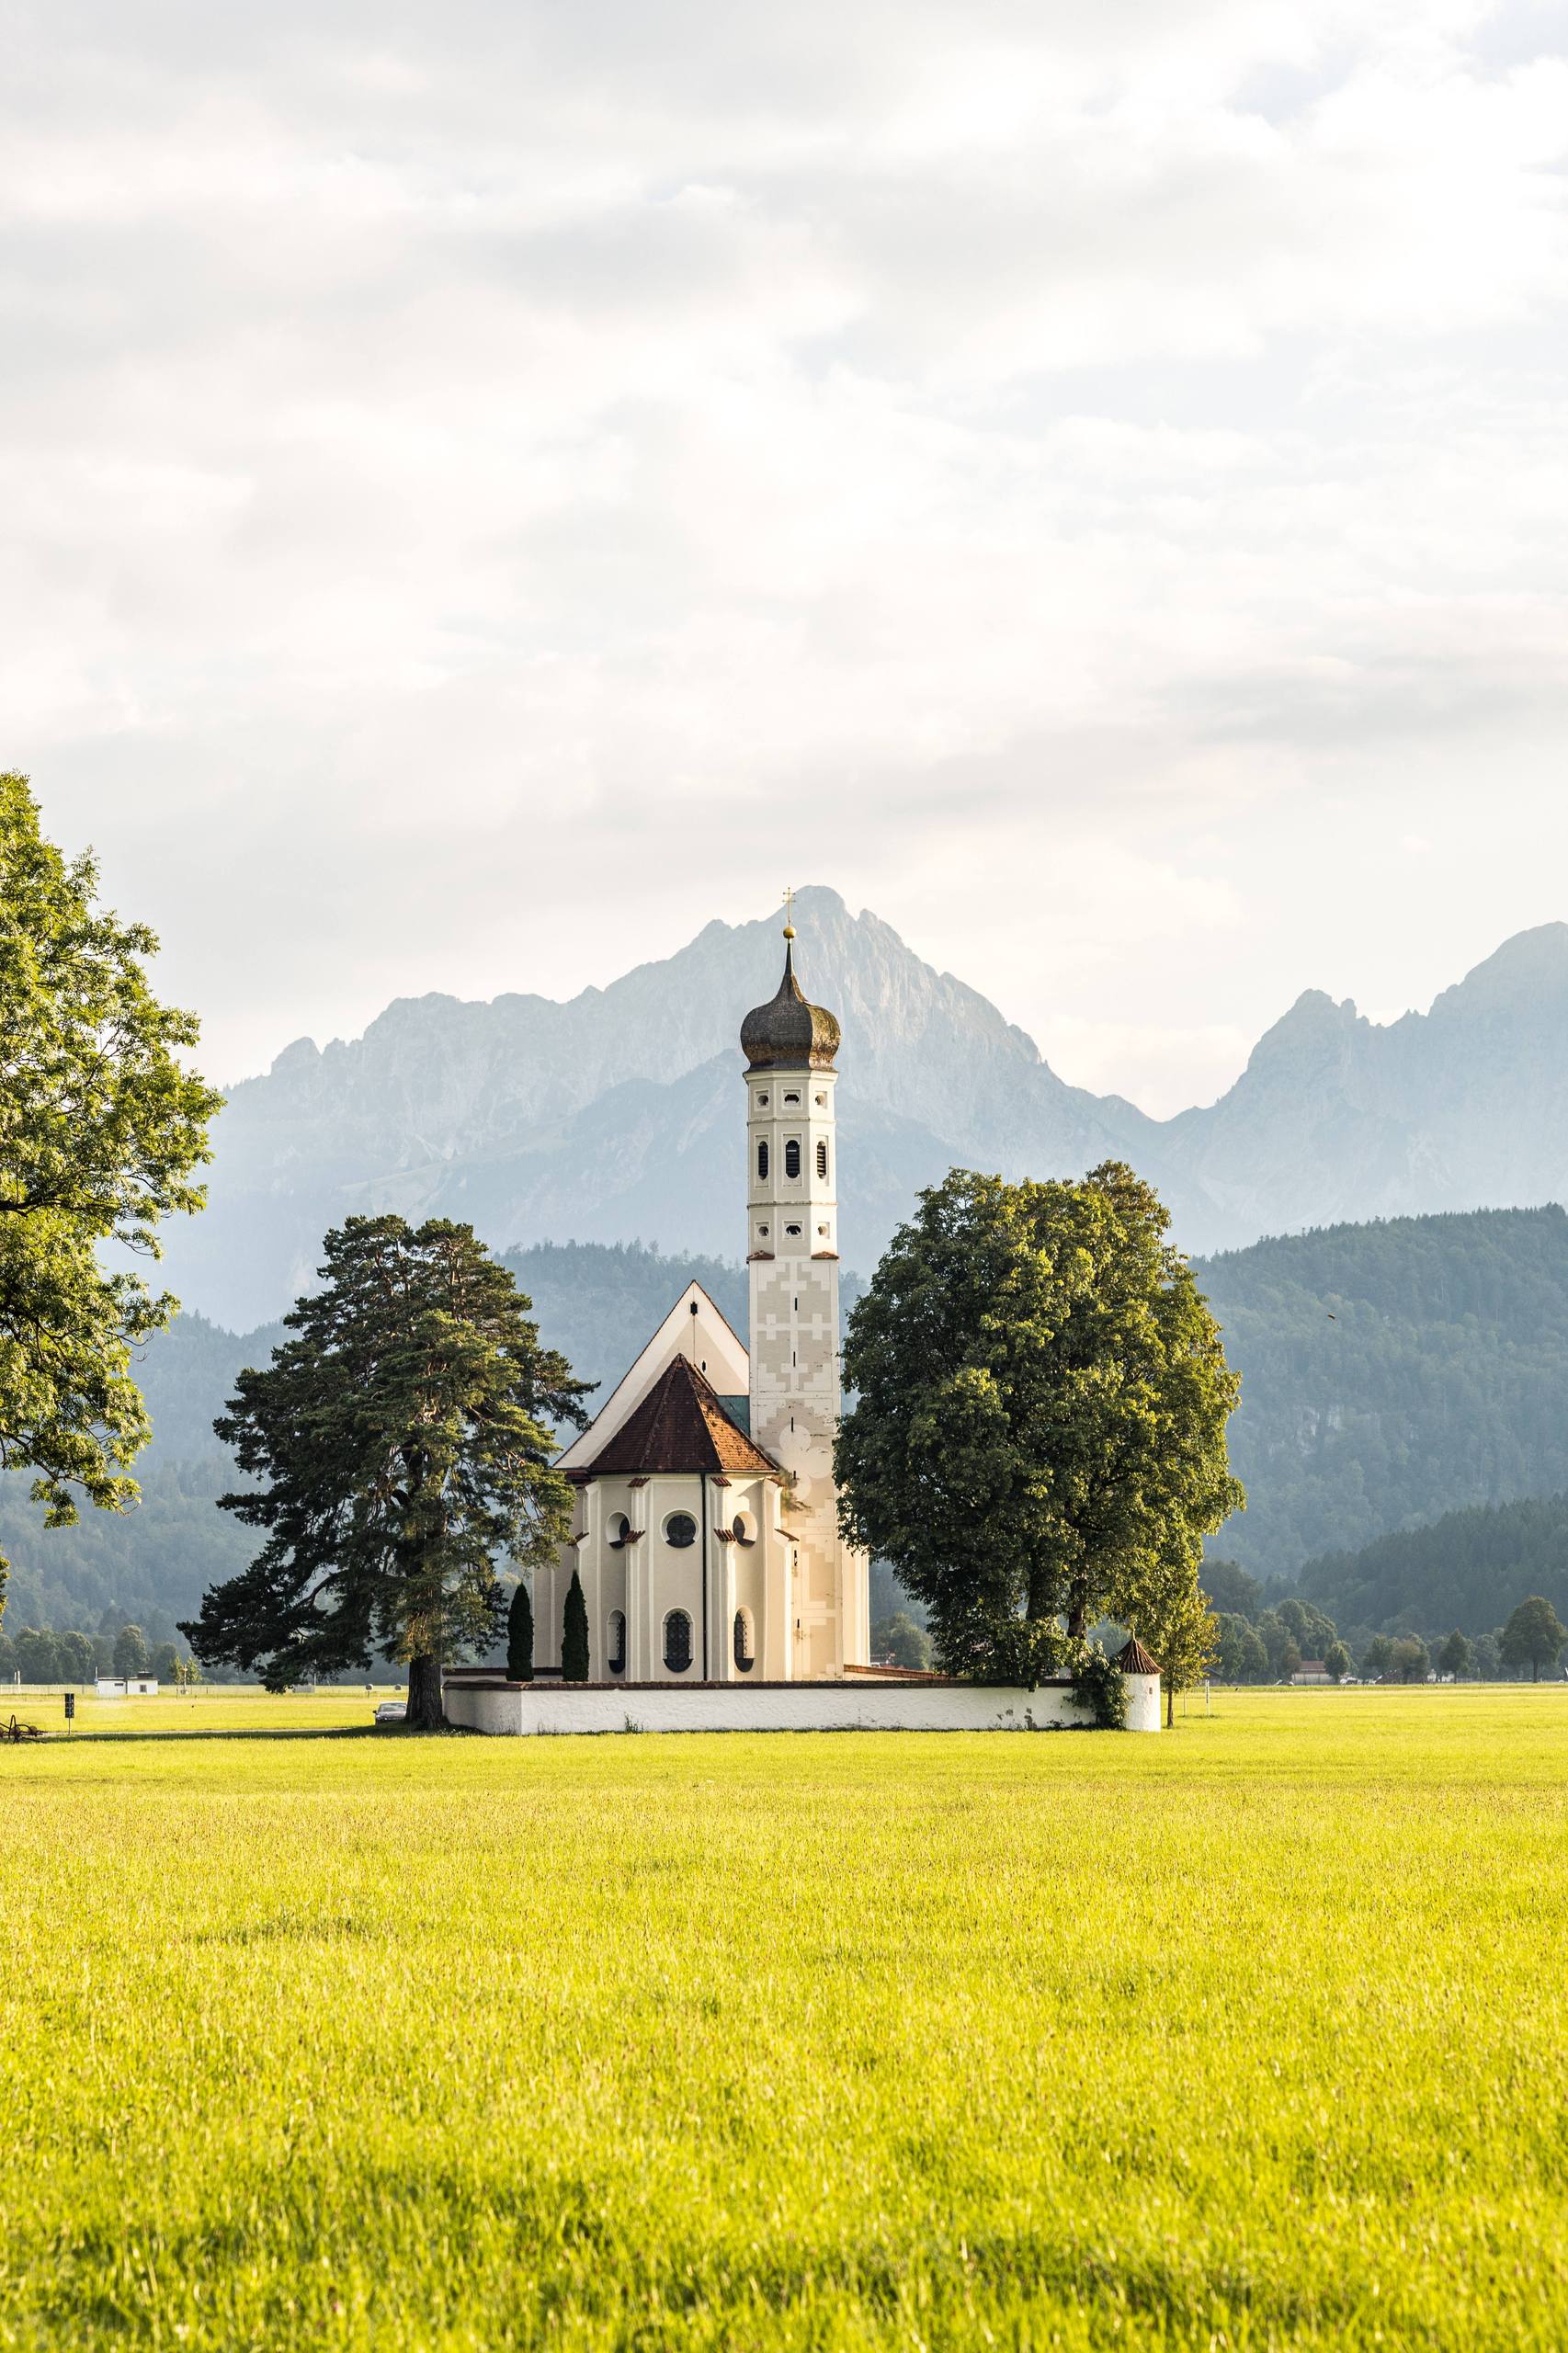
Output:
x=788 y=1033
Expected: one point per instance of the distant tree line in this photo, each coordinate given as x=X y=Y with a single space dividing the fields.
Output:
x=1262 y=1637
x=38 y=1654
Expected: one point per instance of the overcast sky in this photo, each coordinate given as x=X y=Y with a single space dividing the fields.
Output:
x=488 y=487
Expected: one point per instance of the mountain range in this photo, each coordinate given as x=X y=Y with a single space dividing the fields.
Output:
x=616 y=1115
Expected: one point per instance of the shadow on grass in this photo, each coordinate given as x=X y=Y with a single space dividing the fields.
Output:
x=112 y=1739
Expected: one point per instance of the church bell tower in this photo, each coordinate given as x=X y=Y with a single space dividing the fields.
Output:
x=793 y=1249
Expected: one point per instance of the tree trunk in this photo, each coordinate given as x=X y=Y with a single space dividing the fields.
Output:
x=1170 y=1706
x=425 y=1711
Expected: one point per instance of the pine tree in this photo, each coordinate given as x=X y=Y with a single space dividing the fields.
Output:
x=520 y=1636
x=574 y=1634
x=404 y=1437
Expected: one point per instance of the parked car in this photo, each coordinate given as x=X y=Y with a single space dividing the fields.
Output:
x=391 y=1711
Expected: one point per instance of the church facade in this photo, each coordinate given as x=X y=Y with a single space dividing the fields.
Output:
x=705 y=1531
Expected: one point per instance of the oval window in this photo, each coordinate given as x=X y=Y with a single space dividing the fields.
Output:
x=743 y=1528
x=677 y=1641
x=618 y=1641
x=744 y=1655
x=791 y=1157
x=618 y=1528
x=680 y=1529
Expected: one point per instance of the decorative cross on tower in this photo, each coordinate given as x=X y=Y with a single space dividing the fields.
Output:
x=788 y=913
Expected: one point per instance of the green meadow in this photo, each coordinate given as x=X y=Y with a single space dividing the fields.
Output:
x=1255 y=2035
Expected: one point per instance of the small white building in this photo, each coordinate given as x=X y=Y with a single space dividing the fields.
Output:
x=125 y=1686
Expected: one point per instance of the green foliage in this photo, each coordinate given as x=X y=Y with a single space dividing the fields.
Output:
x=1454 y=1657
x=1338 y=1661
x=1231 y=1590
x=1378 y=1658
x=898 y=1638
x=1391 y=1372
x=1533 y=1636
x=1239 y=1653
x=1468 y=1569
x=574 y=1634
x=1099 y=1685
x=130 y=1651
x=406 y=1434
x=1410 y=1662
x=100 y=1129
x=520 y=1636
x=37 y=1655
x=1039 y=1412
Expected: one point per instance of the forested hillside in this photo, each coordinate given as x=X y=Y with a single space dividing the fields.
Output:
x=1470 y=1569
x=1391 y=1374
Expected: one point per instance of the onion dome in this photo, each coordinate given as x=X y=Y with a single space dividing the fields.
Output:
x=787 y=1033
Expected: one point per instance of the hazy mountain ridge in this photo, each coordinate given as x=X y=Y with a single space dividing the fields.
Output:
x=617 y=1114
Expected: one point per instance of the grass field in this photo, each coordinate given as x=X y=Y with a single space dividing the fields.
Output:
x=1252 y=2036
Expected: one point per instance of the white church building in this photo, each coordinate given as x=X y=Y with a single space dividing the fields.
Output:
x=720 y=1592
x=707 y=1537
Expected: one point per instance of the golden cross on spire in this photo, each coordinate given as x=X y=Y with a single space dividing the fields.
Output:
x=788 y=912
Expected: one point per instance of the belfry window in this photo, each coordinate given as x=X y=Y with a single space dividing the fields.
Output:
x=762 y=1161
x=677 y=1641
x=791 y=1098
x=792 y=1156
x=822 y=1157
x=618 y=1641
x=745 y=1656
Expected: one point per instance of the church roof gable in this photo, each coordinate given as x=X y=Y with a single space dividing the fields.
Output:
x=680 y=1426
x=694 y=1328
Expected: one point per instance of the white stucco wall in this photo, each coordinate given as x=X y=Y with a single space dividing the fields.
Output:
x=855 y=1705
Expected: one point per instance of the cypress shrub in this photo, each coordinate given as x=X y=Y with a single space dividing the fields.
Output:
x=520 y=1636
x=574 y=1634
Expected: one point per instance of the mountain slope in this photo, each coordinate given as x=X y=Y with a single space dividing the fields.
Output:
x=1470 y=1569
x=619 y=1114
x=1390 y=1373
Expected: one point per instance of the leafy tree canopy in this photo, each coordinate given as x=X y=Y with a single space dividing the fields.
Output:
x=1041 y=1400
x=405 y=1439
x=100 y=1129
x=1533 y=1636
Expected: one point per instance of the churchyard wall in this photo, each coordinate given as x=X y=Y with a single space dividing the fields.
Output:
x=481 y=1701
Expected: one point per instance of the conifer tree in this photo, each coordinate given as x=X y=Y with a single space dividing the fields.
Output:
x=403 y=1439
x=574 y=1634
x=520 y=1636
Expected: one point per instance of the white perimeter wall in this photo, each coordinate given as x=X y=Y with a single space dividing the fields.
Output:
x=850 y=1706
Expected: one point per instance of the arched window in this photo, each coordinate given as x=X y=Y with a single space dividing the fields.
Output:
x=618 y=1528
x=618 y=1641
x=793 y=1157
x=762 y=1161
x=677 y=1641
x=822 y=1157
x=744 y=1655
x=680 y=1529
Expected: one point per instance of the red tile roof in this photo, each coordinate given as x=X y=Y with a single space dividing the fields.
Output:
x=679 y=1426
x=1133 y=1659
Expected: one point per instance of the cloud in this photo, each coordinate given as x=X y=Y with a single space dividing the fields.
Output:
x=489 y=488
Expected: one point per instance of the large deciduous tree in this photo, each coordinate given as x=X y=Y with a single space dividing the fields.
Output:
x=1041 y=1400
x=1533 y=1636
x=101 y=1127
x=403 y=1439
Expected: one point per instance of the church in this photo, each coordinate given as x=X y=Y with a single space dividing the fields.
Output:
x=705 y=1529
